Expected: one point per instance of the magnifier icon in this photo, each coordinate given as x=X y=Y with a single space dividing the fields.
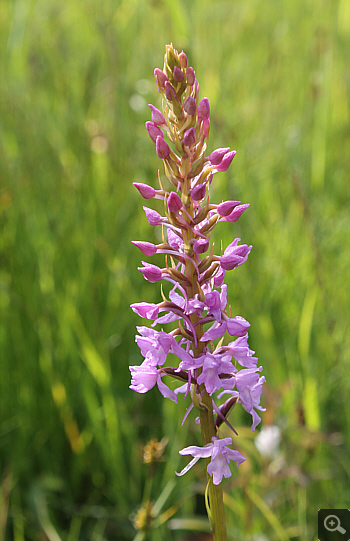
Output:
x=332 y=524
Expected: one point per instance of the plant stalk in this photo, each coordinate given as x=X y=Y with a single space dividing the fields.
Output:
x=216 y=503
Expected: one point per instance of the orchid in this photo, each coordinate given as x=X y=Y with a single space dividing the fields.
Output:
x=220 y=455
x=196 y=305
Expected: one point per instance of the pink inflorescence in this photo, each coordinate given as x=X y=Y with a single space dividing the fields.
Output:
x=198 y=295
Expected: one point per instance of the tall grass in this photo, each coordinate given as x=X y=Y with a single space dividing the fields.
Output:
x=76 y=80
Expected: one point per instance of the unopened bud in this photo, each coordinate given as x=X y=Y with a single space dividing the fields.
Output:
x=170 y=91
x=162 y=148
x=160 y=78
x=201 y=246
x=190 y=76
x=178 y=75
x=147 y=248
x=153 y=217
x=174 y=202
x=198 y=192
x=203 y=111
x=152 y=273
x=183 y=59
x=145 y=190
x=157 y=116
x=190 y=106
x=189 y=137
x=153 y=131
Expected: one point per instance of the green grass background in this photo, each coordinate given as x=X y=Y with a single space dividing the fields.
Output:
x=76 y=78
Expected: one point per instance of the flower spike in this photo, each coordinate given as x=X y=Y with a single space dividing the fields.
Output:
x=208 y=366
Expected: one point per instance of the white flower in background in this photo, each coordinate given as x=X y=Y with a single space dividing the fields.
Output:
x=268 y=440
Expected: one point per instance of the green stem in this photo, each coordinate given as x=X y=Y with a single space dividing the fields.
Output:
x=217 y=511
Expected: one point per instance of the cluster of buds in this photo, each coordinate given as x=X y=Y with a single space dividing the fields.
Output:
x=197 y=299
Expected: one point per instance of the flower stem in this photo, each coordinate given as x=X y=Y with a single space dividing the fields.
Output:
x=217 y=511
x=216 y=503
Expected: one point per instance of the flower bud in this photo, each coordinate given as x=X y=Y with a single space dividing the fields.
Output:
x=225 y=208
x=226 y=161
x=152 y=273
x=216 y=156
x=170 y=91
x=160 y=78
x=162 y=148
x=174 y=202
x=153 y=131
x=147 y=248
x=190 y=76
x=203 y=111
x=190 y=106
x=237 y=213
x=201 y=246
x=153 y=217
x=145 y=190
x=198 y=192
x=157 y=117
x=189 y=137
x=178 y=75
x=183 y=59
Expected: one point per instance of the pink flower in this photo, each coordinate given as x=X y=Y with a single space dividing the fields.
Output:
x=226 y=161
x=216 y=156
x=225 y=208
x=234 y=255
x=147 y=310
x=236 y=213
x=220 y=455
x=145 y=377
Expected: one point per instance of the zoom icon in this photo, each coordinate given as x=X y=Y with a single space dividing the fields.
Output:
x=334 y=525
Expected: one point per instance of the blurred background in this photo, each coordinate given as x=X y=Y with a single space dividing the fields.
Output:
x=76 y=80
